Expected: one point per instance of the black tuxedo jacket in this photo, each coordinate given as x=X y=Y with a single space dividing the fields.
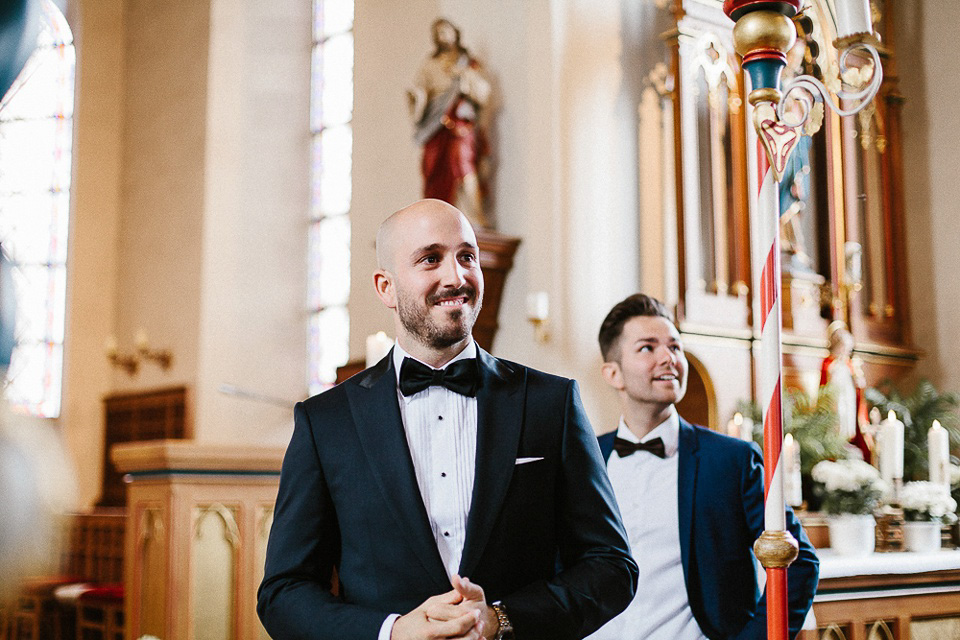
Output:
x=720 y=509
x=545 y=537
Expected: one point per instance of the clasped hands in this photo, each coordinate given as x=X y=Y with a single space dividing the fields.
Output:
x=460 y=614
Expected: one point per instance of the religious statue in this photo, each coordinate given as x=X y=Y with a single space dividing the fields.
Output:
x=450 y=93
x=794 y=194
x=842 y=375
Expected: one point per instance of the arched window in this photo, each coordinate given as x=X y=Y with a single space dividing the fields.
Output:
x=331 y=112
x=36 y=141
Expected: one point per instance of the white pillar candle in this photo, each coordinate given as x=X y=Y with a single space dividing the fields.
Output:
x=733 y=427
x=938 y=452
x=891 y=448
x=746 y=430
x=853 y=16
x=377 y=346
x=792 y=484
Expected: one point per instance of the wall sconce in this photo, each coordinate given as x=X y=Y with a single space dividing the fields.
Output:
x=538 y=312
x=163 y=357
x=131 y=362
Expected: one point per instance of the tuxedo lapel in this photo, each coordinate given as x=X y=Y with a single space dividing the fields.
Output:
x=375 y=407
x=500 y=403
x=686 y=487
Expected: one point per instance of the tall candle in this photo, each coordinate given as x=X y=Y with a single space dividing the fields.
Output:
x=891 y=448
x=746 y=430
x=733 y=427
x=377 y=346
x=792 y=485
x=938 y=450
x=853 y=16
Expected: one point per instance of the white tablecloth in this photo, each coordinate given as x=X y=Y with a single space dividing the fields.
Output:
x=837 y=566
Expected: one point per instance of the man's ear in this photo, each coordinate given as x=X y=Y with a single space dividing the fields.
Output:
x=612 y=375
x=383 y=283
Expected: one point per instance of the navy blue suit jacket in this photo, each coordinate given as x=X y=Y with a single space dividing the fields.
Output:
x=545 y=537
x=720 y=508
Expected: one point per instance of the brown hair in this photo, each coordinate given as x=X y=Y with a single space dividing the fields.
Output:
x=639 y=304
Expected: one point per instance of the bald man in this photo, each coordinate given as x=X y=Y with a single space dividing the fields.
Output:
x=457 y=495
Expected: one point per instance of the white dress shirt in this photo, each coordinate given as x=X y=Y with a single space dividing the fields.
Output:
x=441 y=430
x=646 y=490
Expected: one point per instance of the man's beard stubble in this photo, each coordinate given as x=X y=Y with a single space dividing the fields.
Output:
x=416 y=319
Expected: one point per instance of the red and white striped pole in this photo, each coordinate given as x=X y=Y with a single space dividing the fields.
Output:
x=762 y=36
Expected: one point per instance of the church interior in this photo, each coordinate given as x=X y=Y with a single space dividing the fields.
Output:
x=192 y=201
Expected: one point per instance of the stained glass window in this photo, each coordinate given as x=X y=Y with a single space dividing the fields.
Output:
x=331 y=112
x=36 y=135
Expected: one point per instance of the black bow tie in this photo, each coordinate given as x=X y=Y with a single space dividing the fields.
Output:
x=462 y=376
x=626 y=448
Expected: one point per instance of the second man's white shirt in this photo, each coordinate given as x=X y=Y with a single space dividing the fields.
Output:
x=646 y=490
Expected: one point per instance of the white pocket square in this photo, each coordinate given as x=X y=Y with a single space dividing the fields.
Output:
x=526 y=460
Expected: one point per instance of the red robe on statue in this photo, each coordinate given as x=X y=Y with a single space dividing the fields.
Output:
x=858 y=440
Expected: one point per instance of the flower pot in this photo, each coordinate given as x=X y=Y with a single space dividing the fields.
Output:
x=921 y=536
x=852 y=534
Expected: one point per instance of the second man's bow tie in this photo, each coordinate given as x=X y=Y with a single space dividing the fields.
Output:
x=461 y=377
x=626 y=448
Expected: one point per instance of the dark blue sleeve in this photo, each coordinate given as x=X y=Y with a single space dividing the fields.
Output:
x=803 y=573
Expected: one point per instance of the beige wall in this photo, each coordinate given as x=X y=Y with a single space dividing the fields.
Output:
x=190 y=211
x=931 y=137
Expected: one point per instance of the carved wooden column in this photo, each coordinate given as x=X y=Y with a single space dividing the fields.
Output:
x=198 y=517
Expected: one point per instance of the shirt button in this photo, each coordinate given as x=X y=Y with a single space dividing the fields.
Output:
x=443 y=474
x=446 y=534
x=439 y=417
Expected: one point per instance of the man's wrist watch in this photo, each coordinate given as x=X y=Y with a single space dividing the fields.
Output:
x=504 y=628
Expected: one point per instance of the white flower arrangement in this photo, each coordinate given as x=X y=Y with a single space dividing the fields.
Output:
x=927 y=502
x=849 y=486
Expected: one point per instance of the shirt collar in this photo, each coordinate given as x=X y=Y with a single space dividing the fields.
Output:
x=668 y=431
x=469 y=351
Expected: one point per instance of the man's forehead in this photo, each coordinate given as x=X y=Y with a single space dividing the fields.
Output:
x=651 y=329
x=430 y=227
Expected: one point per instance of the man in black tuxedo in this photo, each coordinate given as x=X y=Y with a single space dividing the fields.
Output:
x=442 y=461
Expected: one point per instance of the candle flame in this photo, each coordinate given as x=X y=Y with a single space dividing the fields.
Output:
x=936 y=424
x=891 y=415
x=737 y=419
x=788 y=440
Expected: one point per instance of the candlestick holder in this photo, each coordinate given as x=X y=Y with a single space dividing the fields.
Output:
x=889 y=529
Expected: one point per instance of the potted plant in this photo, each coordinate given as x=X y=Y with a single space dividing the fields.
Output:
x=926 y=508
x=851 y=490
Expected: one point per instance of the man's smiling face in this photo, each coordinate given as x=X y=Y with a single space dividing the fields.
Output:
x=651 y=364
x=437 y=285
